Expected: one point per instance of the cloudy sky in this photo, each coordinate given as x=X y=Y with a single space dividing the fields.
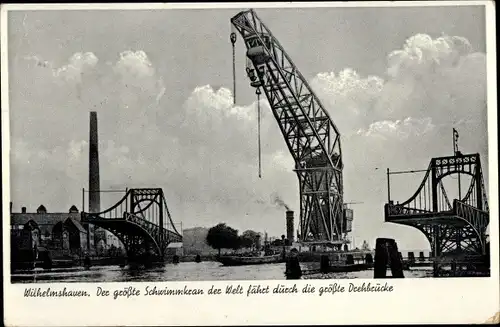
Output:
x=395 y=81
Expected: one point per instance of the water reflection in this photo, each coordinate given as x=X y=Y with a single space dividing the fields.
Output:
x=185 y=271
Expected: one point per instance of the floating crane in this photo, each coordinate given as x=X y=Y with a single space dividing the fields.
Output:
x=310 y=134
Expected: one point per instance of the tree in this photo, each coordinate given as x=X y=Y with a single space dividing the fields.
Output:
x=222 y=236
x=245 y=241
x=249 y=239
x=258 y=242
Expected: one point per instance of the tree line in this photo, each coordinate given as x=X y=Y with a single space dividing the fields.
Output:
x=222 y=236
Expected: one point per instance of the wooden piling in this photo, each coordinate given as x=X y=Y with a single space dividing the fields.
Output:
x=387 y=254
x=411 y=257
x=369 y=259
x=349 y=259
x=324 y=264
x=175 y=259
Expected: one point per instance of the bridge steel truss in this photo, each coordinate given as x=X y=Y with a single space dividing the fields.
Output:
x=451 y=227
x=310 y=134
x=140 y=220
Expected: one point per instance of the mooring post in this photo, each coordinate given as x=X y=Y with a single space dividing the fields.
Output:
x=381 y=259
x=324 y=264
x=411 y=257
x=396 y=260
x=386 y=253
x=349 y=259
x=369 y=259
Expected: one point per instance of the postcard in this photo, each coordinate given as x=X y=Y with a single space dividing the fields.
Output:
x=239 y=163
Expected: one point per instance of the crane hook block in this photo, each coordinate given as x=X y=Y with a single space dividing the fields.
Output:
x=256 y=84
x=233 y=38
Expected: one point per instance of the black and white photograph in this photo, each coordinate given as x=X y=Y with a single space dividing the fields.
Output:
x=248 y=147
x=248 y=143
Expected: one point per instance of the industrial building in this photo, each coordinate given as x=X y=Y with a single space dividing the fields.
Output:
x=61 y=234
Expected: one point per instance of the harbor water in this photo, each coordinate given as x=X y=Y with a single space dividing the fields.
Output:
x=184 y=271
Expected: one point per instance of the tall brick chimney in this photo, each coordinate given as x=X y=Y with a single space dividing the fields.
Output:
x=94 y=182
x=289 y=225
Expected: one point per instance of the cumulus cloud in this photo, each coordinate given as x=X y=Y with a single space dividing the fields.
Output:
x=38 y=61
x=203 y=152
x=405 y=118
x=401 y=129
x=348 y=96
x=422 y=53
x=134 y=64
x=78 y=63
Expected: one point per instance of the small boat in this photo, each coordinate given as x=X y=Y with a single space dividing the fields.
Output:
x=230 y=260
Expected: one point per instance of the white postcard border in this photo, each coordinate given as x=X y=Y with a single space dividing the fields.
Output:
x=465 y=300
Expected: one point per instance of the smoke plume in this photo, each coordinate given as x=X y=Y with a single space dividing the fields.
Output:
x=278 y=201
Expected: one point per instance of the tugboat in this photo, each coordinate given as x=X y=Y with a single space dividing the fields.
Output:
x=256 y=258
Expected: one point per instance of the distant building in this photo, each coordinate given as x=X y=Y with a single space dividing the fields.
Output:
x=175 y=249
x=25 y=241
x=112 y=240
x=61 y=233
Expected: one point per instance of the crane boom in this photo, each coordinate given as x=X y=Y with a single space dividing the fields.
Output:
x=310 y=134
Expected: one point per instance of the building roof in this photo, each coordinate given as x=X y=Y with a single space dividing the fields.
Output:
x=41 y=209
x=174 y=245
x=77 y=224
x=42 y=218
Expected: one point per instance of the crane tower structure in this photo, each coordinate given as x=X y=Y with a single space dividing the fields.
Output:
x=309 y=132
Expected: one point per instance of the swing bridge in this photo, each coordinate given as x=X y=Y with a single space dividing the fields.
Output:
x=454 y=227
x=141 y=221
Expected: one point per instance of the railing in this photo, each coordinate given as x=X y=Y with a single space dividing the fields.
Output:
x=400 y=210
x=479 y=219
x=153 y=229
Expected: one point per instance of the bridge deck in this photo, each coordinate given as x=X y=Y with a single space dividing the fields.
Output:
x=459 y=216
x=171 y=236
x=430 y=219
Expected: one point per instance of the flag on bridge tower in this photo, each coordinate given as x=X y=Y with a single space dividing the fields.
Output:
x=455 y=141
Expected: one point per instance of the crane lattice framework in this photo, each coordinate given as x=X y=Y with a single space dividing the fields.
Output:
x=140 y=220
x=310 y=134
x=451 y=227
